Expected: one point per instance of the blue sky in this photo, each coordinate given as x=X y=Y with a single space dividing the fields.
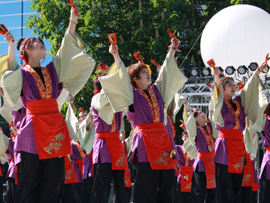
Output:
x=10 y=16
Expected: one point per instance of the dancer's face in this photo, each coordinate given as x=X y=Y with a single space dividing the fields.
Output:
x=229 y=89
x=38 y=50
x=199 y=116
x=145 y=79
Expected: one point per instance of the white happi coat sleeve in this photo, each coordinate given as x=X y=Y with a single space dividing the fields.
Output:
x=86 y=138
x=248 y=136
x=169 y=81
x=216 y=104
x=176 y=105
x=72 y=123
x=191 y=126
x=253 y=98
x=190 y=149
x=11 y=83
x=73 y=65
x=3 y=147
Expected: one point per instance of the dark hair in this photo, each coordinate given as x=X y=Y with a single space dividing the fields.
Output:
x=134 y=71
x=221 y=76
x=195 y=112
x=267 y=110
x=29 y=44
x=97 y=85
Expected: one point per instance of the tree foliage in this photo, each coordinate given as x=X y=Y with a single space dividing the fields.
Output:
x=140 y=26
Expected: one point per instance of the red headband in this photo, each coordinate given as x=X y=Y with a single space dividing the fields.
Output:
x=23 y=51
x=224 y=79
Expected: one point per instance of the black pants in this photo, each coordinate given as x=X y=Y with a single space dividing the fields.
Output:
x=87 y=188
x=103 y=175
x=69 y=194
x=155 y=186
x=199 y=193
x=228 y=185
x=254 y=196
x=40 y=180
x=11 y=190
x=128 y=193
x=182 y=197
x=266 y=195
x=246 y=195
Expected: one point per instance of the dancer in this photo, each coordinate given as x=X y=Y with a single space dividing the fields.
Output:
x=229 y=114
x=262 y=125
x=203 y=137
x=43 y=136
x=184 y=178
x=109 y=157
x=152 y=145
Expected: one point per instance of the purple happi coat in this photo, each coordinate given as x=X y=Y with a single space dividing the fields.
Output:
x=201 y=146
x=221 y=152
x=25 y=140
x=100 y=149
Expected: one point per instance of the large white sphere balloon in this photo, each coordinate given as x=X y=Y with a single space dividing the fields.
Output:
x=237 y=35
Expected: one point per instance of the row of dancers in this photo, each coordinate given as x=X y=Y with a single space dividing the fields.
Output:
x=215 y=163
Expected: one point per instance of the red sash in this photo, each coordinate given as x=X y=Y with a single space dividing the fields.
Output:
x=50 y=129
x=255 y=187
x=79 y=162
x=248 y=176
x=158 y=145
x=116 y=149
x=70 y=175
x=209 y=168
x=1 y=174
x=268 y=149
x=186 y=178
x=127 y=178
x=235 y=148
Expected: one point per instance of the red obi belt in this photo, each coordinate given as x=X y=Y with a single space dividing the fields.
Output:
x=186 y=178
x=209 y=168
x=50 y=129
x=79 y=162
x=116 y=149
x=248 y=176
x=158 y=145
x=235 y=148
x=70 y=175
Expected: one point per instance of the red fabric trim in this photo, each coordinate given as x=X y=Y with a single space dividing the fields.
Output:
x=23 y=50
x=235 y=148
x=50 y=129
x=248 y=176
x=79 y=162
x=70 y=175
x=127 y=178
x=268 y=149
x=255 y=187
x=1 y=174
x=209 y=168
x=186 y=178
x=158 y=145
x=224 y=79
x=116 y=149
x=96 y=92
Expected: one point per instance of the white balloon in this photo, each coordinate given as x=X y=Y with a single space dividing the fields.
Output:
x=237 y=35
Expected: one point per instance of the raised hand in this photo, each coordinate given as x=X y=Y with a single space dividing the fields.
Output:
x=113 y=49
x=9 y=38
